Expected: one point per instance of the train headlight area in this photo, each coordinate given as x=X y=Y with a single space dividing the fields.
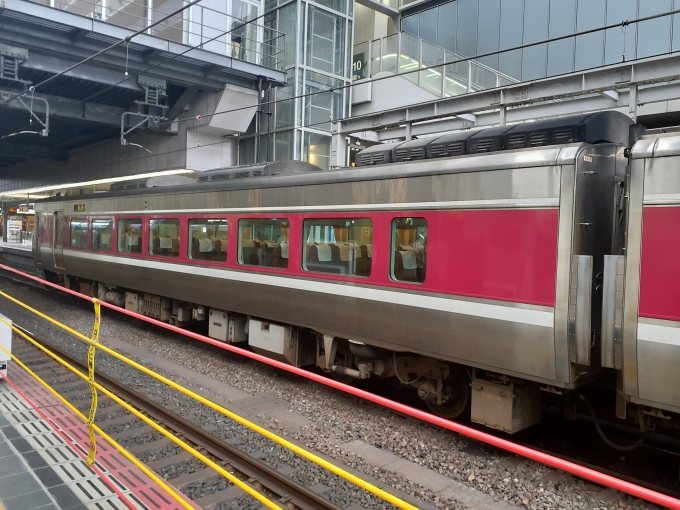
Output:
x=487 y=272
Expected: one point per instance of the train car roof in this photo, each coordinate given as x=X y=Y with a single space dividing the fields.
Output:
x=533 y=157
x=657 y=145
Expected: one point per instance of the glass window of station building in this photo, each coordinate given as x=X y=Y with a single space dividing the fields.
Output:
x=473 y=27
x=202 y=25
x=310 y=40
x=318 y=56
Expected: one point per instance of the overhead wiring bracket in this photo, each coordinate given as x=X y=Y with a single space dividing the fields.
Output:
x=45 y=131
x=151 y=110
x=151 y=122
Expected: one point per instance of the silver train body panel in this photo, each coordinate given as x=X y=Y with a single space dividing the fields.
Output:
x=551 y=345
x=650 y=347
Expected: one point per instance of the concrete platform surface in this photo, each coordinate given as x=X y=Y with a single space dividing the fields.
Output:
x=15 y=245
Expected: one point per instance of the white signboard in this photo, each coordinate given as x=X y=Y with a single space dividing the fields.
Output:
x=14 y=224
x=6 y=342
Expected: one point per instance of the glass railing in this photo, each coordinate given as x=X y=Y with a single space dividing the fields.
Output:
x=402 y=52
x=197 y=26
x=394 y=4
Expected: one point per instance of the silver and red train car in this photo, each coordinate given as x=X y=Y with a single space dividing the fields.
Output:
x=483 y=269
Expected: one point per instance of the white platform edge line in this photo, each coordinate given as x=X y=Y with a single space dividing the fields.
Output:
x=659 y=334
x=542 y=318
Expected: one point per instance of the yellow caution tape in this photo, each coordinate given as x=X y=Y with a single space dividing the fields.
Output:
x=236 y=481
x=90 y=370
x=390 y=498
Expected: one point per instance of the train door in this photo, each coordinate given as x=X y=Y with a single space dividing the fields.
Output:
x=58 y=240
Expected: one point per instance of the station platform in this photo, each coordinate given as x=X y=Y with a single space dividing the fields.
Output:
x=41 y=469
x=15 y=246
x=18 y=255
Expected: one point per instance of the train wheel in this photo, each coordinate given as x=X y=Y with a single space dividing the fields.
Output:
x=457 y=387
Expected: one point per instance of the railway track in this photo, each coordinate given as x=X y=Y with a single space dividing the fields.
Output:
x=273 y=483
x=541 y=442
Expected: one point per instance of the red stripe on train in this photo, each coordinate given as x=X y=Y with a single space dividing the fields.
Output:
x=499 y=254
x=660 y=264
x=508 y=255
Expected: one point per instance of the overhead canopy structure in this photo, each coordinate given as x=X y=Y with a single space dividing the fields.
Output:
x=88 y=103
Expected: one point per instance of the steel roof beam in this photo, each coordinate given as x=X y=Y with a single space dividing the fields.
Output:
x=181 y=102
x=54 y=65
x=568 y=87
x=78 y=36
x=23 y=150
x=380 y=7
x=138 y=62
x=61 y=107
x=649 y=95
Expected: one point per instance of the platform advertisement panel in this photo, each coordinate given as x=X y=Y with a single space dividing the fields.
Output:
x=14 y=224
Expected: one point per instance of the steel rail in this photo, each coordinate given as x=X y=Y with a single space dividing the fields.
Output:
x=253 y=469
x=570 y=466
x=534 y=445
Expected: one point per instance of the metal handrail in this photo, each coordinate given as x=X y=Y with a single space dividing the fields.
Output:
x=254 y=43
x=407 y=52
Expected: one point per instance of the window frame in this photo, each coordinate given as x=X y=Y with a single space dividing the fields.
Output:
x=113 y=233
x=141 y=234
x=190 y=239
x=87 y=233
x=393 y=245
x=305 y=234
x=149 y=244
x=239 y=241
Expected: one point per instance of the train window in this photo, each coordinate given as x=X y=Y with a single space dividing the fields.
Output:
x=208 y=240
x=409 y=250
x=130 y=235
x=341 y=246
x=102 y=230
x=263 y=242
x=164 y=237
x=78 y=233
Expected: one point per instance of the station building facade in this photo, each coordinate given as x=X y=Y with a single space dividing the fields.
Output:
x=219 y=84
x=191 y=92
x=475 y=27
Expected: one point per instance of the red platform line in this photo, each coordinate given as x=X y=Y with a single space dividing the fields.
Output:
x=54 y=427
x=544 y=458
x=67 y=425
